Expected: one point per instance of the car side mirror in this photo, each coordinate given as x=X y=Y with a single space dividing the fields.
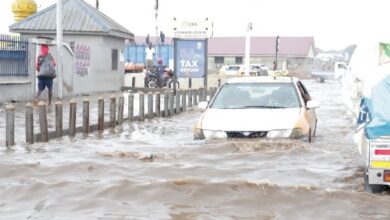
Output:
x=203 y=105
x=312 y=104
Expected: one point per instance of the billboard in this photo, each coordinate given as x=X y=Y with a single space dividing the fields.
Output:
x=190 y=58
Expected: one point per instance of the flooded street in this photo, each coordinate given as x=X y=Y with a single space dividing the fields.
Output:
x=155 y=170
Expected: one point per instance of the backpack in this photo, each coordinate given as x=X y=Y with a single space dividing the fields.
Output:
x=47 y=68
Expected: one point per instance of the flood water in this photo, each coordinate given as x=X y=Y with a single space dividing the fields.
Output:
x=155 y=170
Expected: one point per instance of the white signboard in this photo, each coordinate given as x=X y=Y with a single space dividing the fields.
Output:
x=82 y=56
x=193 y=29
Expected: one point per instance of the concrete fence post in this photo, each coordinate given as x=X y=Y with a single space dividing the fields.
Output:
x=101 y=114
x=86 y=116
x=121 y=105
x=183 y=100
x=166 y=104
x=9 y=125
x=130 y=106
x=112 y=111
x=43 y=122
x=59 y=119
x=190 y=98
x=141 y=106
x=158 y=105
x=72 y=118
x=177 y=110
x=150 y=105
x=29 y=123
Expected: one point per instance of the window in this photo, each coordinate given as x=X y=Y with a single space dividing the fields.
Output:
x=219 y=60
x=239 y=60
x=114 y=59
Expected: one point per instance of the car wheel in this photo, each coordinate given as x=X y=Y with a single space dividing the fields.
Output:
x=372 y=188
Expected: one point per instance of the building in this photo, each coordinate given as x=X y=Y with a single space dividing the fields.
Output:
x=93 y=48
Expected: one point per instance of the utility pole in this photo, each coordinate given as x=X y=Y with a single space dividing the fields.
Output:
x=276 y=52
x=247 y=47
x=59 y=49
x=156 y=13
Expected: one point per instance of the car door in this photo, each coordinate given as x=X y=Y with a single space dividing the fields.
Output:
x=310 y=113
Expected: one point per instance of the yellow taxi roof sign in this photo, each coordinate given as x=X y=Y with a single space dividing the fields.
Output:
x=278 y=73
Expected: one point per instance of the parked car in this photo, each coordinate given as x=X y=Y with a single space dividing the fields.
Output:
x=259 y=107
x=230 y=70
x=255 y=70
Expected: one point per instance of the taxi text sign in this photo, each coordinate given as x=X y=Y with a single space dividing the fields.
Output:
x=191 y=58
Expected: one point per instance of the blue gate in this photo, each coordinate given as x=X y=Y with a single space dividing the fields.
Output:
x=13 y=56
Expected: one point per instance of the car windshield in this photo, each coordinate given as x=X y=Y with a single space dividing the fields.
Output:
x=233 y=67
x=256 y=95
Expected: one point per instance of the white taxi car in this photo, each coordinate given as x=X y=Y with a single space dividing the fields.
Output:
x=259 y=107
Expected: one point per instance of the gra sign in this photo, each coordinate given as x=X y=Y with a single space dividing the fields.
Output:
x=192 y=29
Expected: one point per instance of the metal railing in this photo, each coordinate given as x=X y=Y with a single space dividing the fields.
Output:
x=13 y=56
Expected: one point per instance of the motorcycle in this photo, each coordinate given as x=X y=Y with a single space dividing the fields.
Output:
x=153 y=79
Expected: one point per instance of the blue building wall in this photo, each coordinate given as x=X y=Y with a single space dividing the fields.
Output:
x=136 y=53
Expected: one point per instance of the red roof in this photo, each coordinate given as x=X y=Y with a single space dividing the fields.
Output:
x=235 y=46
x=288 y=46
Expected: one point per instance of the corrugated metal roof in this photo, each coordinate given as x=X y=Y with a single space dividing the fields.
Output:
x=262 y=46
x=78 y=17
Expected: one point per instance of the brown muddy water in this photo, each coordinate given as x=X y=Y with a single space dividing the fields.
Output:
x=155 y=170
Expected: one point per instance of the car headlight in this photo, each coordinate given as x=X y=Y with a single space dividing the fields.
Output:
x=214 y=134
x=285 y=133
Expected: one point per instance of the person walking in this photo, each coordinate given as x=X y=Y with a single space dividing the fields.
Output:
x=45 y=67
x=149 y=57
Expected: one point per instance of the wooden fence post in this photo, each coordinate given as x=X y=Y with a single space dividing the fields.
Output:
x=166 y=104
x=121 y=105
x=195 y=94
x=130 y=106
x=141 y=106
x=133 y=81
x=150 y=105
x=43 y=122
x=171 y=103
x=158 y=104
x=112 y=111
x=184 y=101
x=9 y=125
x=59 y=119
x=178 y=92
x=72 y=118
x=101 y=114
x=29 y=123
x=86 y=116
x=190 y=83
x=219 y=83
x=189 y=98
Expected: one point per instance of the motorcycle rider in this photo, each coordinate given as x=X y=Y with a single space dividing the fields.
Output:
x=160 y=71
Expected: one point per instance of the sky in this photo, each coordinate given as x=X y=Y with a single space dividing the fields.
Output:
x=334 y=24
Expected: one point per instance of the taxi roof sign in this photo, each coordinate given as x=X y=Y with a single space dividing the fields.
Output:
x=276 y=73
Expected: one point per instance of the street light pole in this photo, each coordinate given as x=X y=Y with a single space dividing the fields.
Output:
x=156 y=13
x=247 y=47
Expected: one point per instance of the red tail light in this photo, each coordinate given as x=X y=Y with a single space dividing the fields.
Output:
x=382 y=152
